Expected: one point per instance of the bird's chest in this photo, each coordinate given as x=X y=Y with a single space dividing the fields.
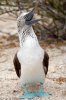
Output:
x=30 y=56
x=31 y=53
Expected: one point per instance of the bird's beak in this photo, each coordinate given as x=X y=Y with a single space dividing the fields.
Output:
x=29 y=18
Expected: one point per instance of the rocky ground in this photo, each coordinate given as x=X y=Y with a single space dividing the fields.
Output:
x=55 y=83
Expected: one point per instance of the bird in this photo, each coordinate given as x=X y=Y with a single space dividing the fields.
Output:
x=31 y=61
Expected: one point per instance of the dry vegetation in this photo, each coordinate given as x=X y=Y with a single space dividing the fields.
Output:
x=53 y=12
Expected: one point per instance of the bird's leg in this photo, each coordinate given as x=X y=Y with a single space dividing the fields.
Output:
x=27 y=93
x=40 y=88
x=41 y=92
x=25 y=89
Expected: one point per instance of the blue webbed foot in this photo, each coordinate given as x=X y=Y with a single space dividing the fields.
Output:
x=27 y=95
x=33 y=94
x=41 y=94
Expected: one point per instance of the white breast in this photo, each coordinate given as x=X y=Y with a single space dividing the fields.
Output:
x=31 y=58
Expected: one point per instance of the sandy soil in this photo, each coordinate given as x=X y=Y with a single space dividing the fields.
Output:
x=55 y=83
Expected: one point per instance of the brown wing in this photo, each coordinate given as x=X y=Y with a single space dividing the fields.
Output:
x=45 y=62
x=17 y=65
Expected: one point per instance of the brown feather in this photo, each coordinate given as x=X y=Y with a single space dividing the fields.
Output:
x=45 y=62
x=17 y=65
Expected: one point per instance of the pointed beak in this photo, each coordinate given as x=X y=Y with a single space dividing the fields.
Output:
x=29 y=18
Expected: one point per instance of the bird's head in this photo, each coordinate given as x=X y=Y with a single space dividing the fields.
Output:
x=26 y=18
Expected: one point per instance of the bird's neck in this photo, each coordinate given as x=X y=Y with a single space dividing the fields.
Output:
x=28 y=31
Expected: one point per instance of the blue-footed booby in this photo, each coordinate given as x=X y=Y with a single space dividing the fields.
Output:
x=31 y=61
